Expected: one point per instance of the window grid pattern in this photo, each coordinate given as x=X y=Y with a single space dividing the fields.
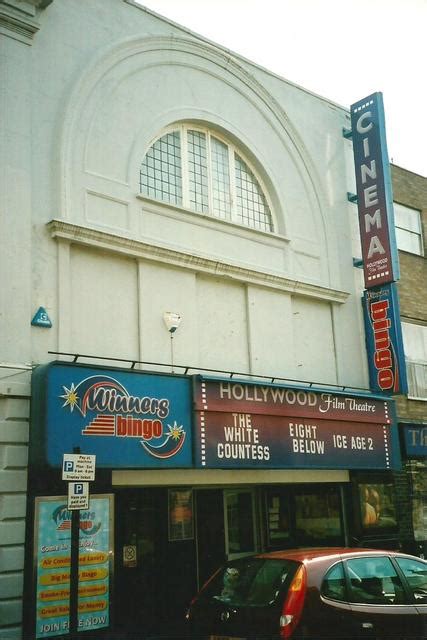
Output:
x=198 y=171
x=194 y=169
x=221 y=193
x=161 y=172
x=251 y=206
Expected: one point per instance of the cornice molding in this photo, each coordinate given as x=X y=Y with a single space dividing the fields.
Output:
x=18 y=18
x=88 y=236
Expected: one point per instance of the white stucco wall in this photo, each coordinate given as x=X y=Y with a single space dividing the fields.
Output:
x=86 y=89
x=97 y=97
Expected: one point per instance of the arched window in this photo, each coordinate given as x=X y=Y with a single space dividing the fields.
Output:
x=194 y=168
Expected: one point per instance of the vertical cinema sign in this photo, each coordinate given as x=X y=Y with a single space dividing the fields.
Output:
x=387 y=369
x=374 y=193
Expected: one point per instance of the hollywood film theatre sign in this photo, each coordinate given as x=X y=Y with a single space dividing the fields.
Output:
x=244 y=425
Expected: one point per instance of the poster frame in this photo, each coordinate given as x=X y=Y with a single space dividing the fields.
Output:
x=174 y=495
x=38 y=500
x=386 y=490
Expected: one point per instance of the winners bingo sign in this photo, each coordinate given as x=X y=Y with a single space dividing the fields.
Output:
x=128 y=419
x=374 y=192
x=52 y=558
x=243 y=425
x=384 y=343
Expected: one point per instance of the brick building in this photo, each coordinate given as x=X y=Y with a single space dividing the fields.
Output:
x=410 y=198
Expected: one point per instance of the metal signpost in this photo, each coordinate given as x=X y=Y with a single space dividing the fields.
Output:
x=79 y=470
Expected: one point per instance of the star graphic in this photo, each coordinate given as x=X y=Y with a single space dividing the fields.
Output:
x=70 y=396
x=175 y=431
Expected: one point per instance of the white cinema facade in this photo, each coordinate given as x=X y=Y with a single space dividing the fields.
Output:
x=151 y=172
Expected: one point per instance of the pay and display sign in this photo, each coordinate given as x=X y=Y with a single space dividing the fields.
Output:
x=77 y=466
x=81 y=468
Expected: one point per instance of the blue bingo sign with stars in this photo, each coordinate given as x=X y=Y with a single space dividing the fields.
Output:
x=127 y=419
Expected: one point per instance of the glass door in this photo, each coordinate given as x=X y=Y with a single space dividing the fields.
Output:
x=240 y=531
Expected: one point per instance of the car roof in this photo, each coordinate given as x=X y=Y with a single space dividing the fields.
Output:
x=311 y=554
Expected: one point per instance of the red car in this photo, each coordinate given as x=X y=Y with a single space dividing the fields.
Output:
x=314 y=593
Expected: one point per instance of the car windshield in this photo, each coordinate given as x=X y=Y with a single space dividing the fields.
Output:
x=250 y=581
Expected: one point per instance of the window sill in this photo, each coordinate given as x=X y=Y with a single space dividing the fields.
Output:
x=207 y=219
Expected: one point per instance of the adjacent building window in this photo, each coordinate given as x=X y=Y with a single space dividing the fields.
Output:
x=417 y=469
x=415 y=345
x=408 y=229
x=196 y=169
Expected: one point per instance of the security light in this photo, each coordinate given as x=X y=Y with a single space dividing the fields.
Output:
x=172 y=321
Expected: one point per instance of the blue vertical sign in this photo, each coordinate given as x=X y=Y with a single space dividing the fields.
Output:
x=374 y=192
x=384 y=344
x=387 y=368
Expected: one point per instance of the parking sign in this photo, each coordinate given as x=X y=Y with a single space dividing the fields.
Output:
x=78 y=466
x=78 y=495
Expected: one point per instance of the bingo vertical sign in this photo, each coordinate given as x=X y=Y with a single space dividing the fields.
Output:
x=384 y=342
x=52 y=555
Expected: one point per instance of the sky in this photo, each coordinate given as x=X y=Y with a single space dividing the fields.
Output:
x=343 y=50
